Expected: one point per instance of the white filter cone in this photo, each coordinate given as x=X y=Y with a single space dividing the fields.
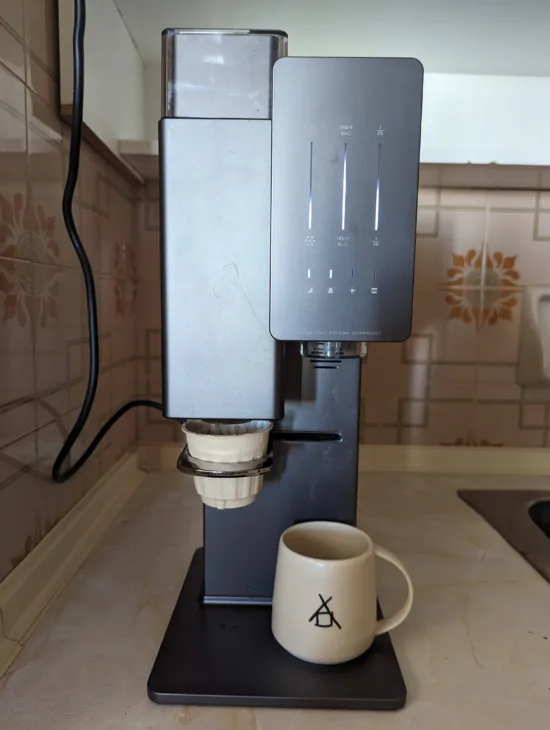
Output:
x=220 y=443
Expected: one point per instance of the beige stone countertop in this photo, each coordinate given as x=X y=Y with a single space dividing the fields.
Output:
x=475 y=651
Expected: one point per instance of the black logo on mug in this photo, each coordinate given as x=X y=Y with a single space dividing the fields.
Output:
x=323 y=616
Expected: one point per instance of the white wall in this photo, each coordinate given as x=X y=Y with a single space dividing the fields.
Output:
x=114 y=89
x=448 y=36
x=465 y=119
x=153 y=104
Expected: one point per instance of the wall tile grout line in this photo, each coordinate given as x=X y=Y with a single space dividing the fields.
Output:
x=38 y=171
x=11 y=31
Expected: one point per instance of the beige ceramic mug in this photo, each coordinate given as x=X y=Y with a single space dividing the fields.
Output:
x=324 y=601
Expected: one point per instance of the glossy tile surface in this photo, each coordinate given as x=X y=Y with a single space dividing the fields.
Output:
x=477 y=250
x=43 y=322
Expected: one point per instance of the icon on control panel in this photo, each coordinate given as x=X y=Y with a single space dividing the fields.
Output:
x=330 y=290
x=380 y=131
x=310 y=290
x=352 y=290
x=376 y=241
x=374 y=290
x=309 y=240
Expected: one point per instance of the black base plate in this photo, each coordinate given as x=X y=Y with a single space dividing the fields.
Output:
x=227 y=656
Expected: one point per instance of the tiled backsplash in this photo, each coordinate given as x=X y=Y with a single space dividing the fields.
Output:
x=43 y=327
x=454 y=381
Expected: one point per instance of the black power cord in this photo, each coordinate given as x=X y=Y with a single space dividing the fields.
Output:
x=68 y=195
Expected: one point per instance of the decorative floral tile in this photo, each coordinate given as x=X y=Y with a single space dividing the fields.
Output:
x=458 y=232
x=514 y=234
x=27 y=231
x=44 y=220
x=482 y=289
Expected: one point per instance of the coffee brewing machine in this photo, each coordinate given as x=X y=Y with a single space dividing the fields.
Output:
x=288 y=213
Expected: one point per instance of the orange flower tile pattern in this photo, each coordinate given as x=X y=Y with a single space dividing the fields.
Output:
x=43 y=324
x=27 y=235
x=482 y=288
x=450 y=383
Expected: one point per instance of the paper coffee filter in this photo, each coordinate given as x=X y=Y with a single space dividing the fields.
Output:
x=223 y=446
x=227 y=442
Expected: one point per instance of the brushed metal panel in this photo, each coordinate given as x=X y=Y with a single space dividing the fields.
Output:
x=346 y=144
x=219 y=358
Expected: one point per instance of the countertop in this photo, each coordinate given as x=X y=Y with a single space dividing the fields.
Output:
x=475 y=651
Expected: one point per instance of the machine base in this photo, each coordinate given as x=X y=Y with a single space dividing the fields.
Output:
x=227 y=656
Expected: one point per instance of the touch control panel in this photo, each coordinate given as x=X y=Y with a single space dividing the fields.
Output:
x=346 y=146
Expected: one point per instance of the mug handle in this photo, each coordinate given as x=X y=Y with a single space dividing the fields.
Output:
x=386 y=624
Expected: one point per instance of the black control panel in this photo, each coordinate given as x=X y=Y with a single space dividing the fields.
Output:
x=345 y=156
